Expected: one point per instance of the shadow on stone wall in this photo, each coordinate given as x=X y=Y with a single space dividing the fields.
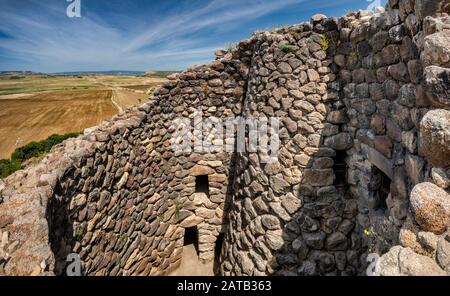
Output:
x=287 y=217
x=219 y=259
x=322 y=236
x=60 y=229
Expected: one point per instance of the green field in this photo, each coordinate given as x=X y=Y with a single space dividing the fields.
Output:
x=33 y=84
x=36 y=106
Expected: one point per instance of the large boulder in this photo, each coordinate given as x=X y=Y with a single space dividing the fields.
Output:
x=431 y=206
x=408 y=237
x=388 y=263
x=403 y=261
x=418 y=265
x=434 y=139
x=437 y=49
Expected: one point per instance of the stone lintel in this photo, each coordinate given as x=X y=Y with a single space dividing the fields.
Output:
x=378 y=160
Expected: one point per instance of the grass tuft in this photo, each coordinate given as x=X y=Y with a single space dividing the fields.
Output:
x=294 y=34
x=325 y=43
x=178 y=208
x=285 y=47
x=230 y=47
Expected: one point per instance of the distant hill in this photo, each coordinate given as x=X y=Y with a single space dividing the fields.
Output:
x=115 y=73
x=21 y=73
x=161 y=74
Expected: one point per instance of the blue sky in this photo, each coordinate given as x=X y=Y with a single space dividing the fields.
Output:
x=140 y=35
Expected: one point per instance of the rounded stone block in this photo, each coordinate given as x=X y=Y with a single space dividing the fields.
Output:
x=341 y=141
x=401 y=261
x=200 y=170
x=434 y=138
x=319 y=177
x=431 y=206
x=437 y=49
x=437 y=86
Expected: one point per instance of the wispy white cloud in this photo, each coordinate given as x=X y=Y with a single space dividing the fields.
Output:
x=49 y=41
x=218 y=12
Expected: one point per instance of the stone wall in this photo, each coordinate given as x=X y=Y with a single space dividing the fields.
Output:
x=287 y=215
x=393 y=80
x=363 y=161
x=119 y=196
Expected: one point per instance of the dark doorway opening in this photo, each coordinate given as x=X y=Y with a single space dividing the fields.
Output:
x=217 y=250
x=219 y=243
x=191 y=237
x=384 y=190
x=340 y=168
x=202 y=184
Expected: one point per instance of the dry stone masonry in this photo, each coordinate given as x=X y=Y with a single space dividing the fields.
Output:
x=363 y=165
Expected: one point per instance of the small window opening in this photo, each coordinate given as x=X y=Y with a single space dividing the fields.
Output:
x=202 y=184
x=340 y=168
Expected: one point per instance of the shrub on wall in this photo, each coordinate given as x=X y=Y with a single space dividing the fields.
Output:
x=7 y=167
x=31 y=150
